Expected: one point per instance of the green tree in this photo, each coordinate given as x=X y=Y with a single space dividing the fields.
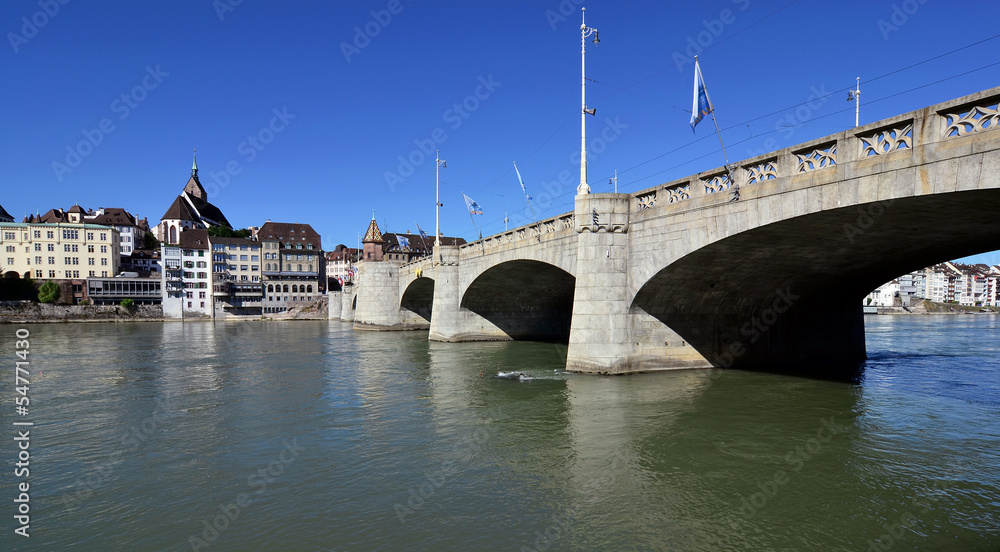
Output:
x=49 y=292
x=128 y=303
x=149 y=241
x=224 y=232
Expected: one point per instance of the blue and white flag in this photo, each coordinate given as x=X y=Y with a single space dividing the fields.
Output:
x=422 y=233
x=700 y=104
x=404 y=242
x=472 y=206
x=521 y=180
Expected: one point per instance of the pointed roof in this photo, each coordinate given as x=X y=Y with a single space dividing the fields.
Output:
x=5 y=216
x=179 y=210
x=194 y=164
x=373 y=235
x=77 y=209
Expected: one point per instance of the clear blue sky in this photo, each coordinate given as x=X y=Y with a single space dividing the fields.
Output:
x=211 y=75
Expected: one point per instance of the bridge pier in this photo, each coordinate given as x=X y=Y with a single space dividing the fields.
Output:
x=599 y=337
x=347 y=297
x=449 y=321
x=334 y=305
x=378 y=297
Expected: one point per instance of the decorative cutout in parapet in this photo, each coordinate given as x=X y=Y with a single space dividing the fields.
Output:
x=973 y=118
x=520 y=234
x=887 y=140
x=647 y=200
x=766 y=170
x=678 y=192
x=821 y=157
x=568 y=222
x=718 y=183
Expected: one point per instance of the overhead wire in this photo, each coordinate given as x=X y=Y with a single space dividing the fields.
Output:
x=746 y=122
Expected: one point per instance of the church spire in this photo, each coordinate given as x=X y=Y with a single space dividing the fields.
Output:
x=194 y=165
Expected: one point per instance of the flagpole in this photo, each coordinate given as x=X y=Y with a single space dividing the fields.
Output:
x=421 y=233
x=526 y=196
x=729 y=171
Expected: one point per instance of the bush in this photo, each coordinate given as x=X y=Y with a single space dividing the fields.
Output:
x=49 y=292
x=128 y=304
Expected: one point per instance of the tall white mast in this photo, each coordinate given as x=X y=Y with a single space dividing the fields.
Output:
x=585 y=31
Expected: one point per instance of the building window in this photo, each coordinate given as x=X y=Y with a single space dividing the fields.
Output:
x=70 y=234
x=201 y=295
x=309 y=289
x=104 y=262
x=38 y=234
x=90 y=261
x=254 y=257
x=38 y=260
x=300 y=268
x=52 y=260
x=295 y=288
x=286 y=290
x=104 y=236
x=52 y=274
x=38 y=274
x=90 y=235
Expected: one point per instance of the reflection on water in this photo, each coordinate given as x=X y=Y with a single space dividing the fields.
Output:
x=324 y=438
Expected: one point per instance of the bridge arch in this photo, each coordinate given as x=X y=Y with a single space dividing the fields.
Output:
x=525 y=299
x=418 y=297
x=787 y=296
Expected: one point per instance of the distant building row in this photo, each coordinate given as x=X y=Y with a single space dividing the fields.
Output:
x=969 y=285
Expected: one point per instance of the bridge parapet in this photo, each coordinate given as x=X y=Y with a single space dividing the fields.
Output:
x=556 y=226
x=894 y=139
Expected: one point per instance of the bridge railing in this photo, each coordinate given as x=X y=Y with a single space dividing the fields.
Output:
x=949 y=120
x=942 y=122
x=534 y=231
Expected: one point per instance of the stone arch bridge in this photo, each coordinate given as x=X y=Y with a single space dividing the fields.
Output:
x=681 y=276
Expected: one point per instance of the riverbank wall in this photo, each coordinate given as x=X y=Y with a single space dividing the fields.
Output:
x=21 y=312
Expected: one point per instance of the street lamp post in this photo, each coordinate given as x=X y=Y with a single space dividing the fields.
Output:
x=585 y=31
x=438 y=162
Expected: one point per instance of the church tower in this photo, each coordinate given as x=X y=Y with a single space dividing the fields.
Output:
x=372 y=244
x=193 y=187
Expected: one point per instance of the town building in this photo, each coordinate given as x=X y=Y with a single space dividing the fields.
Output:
x=949 y=282
x=60 y=251
x=132 y=233
x=186 y=283
x=408 y=247
x=294 y=267
x=191 y=210
x=340 y=265
x=884 y=295
x=112 y=291
x=236 y=276
x=144 y=262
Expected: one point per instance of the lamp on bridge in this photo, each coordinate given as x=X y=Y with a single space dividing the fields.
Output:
x=585 y=31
